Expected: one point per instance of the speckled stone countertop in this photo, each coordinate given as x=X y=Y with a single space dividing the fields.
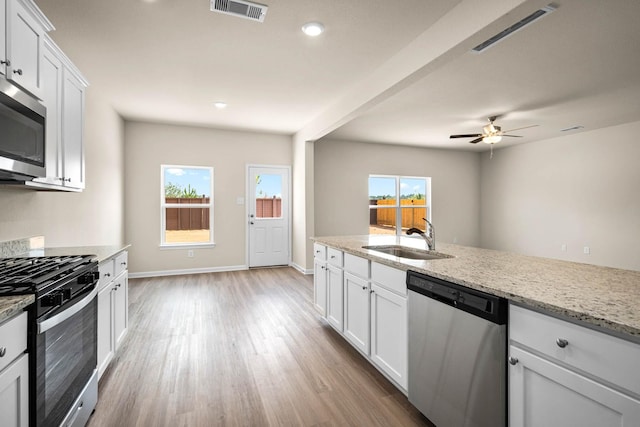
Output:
x=10 y=306
x=604 y=297
x=101 y=252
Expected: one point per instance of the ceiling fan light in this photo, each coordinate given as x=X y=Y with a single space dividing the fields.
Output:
x=492 y=139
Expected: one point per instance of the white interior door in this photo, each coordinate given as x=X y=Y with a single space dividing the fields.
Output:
x=268 y=200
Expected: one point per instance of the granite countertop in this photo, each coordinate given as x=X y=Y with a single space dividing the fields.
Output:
x=101 y=252
x=604 y=297
x=10 y=306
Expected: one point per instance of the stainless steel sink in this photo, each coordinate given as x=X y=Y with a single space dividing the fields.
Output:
x=407 y=252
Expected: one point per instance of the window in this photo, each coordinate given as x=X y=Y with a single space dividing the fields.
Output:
x=398 y=200
x=186 y=205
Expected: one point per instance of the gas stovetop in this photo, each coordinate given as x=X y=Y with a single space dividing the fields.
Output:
x=19 y=276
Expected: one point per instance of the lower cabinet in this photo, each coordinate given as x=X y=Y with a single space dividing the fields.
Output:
x=367 y=303
x=356 y=311
x=389 y=333
x=14 y=372
x=563 y=374
x=113 y=313
x=335 y=297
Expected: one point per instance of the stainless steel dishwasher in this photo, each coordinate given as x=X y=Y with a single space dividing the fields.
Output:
x=457 y=353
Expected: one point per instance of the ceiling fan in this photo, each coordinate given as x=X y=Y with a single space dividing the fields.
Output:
x=490 y=133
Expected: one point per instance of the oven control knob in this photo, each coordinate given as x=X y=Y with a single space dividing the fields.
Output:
x=53 y=299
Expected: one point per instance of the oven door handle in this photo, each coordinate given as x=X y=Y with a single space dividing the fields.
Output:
x=45 y=325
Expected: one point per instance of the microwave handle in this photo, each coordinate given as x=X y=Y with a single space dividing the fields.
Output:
x=47 y=324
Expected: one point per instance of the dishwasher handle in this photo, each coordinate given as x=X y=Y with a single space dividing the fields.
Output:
x=481 y=304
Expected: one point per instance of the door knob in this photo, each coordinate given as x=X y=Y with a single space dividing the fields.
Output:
x=251 y=222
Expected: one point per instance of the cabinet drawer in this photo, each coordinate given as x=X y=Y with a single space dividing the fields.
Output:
x=604 y=356
x=356 y=265
x=107 y=272
x=121 y=262
x=13 y=339
x=388 y=277
x=334 y=256
x=319 y=251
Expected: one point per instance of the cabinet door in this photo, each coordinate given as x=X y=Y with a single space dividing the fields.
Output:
x=72 y=128
x=389 y=333
x=3 y=36
x=121 y=312
x=24 y=48
x=106 y=344
x=14 y=393
x=335 y=296
x=543 y=394
x=52 y=99
x=320 y=285
x=356 y=311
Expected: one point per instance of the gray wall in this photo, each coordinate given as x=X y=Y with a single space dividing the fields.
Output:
x=342 y=169
x=579 y=190
x=149 y=145
x=93 y=217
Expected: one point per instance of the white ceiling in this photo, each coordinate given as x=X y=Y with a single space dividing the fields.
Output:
x=168 y=61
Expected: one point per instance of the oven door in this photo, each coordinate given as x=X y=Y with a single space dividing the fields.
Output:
x=65 y=357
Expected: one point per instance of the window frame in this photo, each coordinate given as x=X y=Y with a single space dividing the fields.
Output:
x=164 y=205
x=398 y=205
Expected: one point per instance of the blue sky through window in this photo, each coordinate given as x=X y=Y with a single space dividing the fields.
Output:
x=269 y=186
x=199 y=179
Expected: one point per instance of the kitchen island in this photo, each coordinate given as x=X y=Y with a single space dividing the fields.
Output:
x=601 y=297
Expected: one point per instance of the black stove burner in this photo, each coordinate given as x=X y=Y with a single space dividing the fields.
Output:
x=19 y=276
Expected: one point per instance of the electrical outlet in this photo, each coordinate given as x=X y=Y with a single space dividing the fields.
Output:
x=563 y=247
x=190 y=253
x=587 y=250
x=455 y=240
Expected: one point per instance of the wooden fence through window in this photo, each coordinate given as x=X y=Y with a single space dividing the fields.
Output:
x=196 y=218
x=268 y=207
x=413 y=210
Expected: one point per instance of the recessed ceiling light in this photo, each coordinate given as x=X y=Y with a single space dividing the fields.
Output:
x=220 y=105
x=313 y=29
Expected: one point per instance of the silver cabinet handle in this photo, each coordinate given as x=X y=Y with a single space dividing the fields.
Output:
x=5 y=62
x=562 y=343
x=513 y=360
x=123 y=263
x=18 y=71
x=3 y=351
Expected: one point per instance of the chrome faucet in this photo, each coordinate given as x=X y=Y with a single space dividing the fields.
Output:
x=429 y=237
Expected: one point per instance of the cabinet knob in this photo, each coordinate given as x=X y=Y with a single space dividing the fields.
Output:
x=118 y=285
x=513 y=360
x=18 y=71
x=364 y=288
x=107 y=274
x=562 y=343
x=3 y=351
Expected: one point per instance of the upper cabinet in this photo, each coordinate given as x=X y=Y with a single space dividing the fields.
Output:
x=31 y=60
x=23 y=32
x=63 y=95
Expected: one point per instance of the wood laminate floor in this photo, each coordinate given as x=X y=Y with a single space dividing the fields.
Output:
x=242 y=348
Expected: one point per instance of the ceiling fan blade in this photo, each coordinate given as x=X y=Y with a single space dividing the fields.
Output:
x=466 y=135
x=475 y=141
x=513 y=136
x=526 y=127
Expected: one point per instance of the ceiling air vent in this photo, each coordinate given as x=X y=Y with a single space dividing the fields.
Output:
x=515 y=27
x=241 y=9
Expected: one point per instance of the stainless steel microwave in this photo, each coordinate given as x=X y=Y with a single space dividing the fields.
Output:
x=22 y=134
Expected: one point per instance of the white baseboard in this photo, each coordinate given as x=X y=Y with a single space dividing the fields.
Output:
x=300 y=269
x=186 y=271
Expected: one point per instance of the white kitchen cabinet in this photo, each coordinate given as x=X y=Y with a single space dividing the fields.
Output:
x=113 y=313
x=564 y=374
x=320 y=278
x=356 y=311
x=25 y=29
x=335 y=297
x=389 y=333
x=3 y=36
x=14 y=372
x=63 y=95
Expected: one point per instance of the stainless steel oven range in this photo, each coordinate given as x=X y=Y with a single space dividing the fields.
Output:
x=63 y=386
